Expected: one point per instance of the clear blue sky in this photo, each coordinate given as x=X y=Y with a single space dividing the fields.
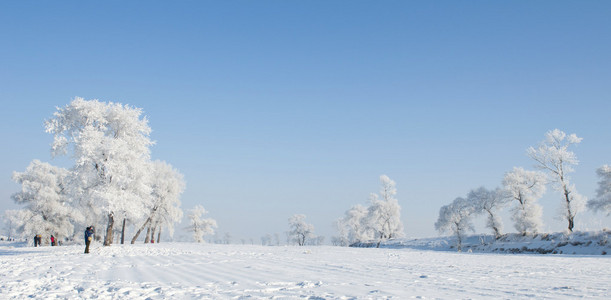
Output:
x=271 y=108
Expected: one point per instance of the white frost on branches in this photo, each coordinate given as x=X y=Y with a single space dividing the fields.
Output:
x=553 y=155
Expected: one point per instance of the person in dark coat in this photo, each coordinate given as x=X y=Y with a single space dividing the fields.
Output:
x=52 y=240
x=89 y=232
x=37 y=240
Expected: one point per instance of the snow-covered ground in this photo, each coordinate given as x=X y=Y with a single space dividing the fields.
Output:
x=206 y=271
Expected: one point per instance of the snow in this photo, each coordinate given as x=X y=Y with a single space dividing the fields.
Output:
x=208 y=271
x=578 y=243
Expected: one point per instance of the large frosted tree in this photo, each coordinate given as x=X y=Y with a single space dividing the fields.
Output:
x=47 y=207
x=456 y=218
x=110 y=146
x=489 y=202
x=526 y=188
x=602 y=202
x=553 y=155
x=384 y=212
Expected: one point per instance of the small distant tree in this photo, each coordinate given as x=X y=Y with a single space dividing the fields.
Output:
x=317 y=241
x=456 y=219
x=489 y=202
x=227 y=238
x=526 y=187
x=200 y=227
x=602 y=202
x=266 y=240
x=384 y=212
x=554 y=156
x=300 y=231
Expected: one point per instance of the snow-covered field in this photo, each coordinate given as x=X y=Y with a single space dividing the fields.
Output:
x=205 y=271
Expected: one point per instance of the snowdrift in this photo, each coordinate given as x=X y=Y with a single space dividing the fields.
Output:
x=579 y=243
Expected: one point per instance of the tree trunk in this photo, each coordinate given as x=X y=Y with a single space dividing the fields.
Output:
x=159 y=235
x=153 y=234
x=123 y=233
x=140 y=230
x=147 y=238
x=567 y=198
x=380 y=240
x=108 y=237
x=497 y=233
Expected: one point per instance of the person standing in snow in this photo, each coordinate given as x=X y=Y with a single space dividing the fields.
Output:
x=52 y=240
x=88 y=237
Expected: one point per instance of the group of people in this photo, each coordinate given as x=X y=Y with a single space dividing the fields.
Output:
x=38 y=240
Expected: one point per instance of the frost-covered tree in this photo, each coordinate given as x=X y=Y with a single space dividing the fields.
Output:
x=48 y=209
x=13 y=222
x=384 y=212
x=351 y=227
x=554 y=156
x=167 y=184
x=300 y=231
x=526 y=187
x=489 y=202
x=602 y=202
x=456 y=218
x=110 y=145
x=266 y=240
x=227 y=238
x=200 y=227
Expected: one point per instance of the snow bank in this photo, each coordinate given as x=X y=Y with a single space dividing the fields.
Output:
x=579 y=243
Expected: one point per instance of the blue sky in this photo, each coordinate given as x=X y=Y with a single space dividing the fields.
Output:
x=272 y=108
